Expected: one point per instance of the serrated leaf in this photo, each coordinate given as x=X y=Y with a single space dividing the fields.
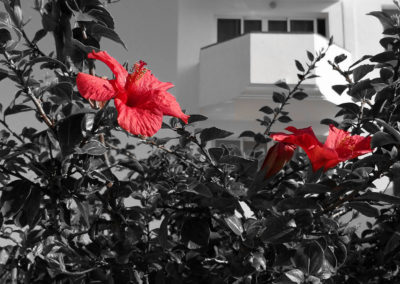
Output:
x=300 y=96
x=213 y=133
x=266 y=109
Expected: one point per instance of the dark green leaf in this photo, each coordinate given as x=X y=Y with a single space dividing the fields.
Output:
x=365 y=57
x=52 y=61
x=100 y=30
x=314 y=188
x=295 y=275
x=375 y=196
x=16 y=109
x=309 y=258
x=278 y=97
x=393 y=242
x=13 y=197
x=339 y=89
x=310 y=56
x=163 y=232
x=284 y=119
x=283 y=85
x=383 y=57
x=364 y=208
x=361 y=71
x=277 y=230
x=69 y=133
x=266 y=109
x=215 y=153
x=83 y=208
x=296 y=203
x=299 y=66
x=384 y=18
x=203 y=190
x=94 y=148
x=340 y=58
x=5 y=36
x=213 y=133
x=196 y=117
x=382 y=139
x=300 y=96
x=328 y=121
x=386 y=74
x=247 y=133
x=196 y=230
x=39 y=35
x=235 y=224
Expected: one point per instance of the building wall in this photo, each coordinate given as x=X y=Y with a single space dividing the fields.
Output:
x=198 y=28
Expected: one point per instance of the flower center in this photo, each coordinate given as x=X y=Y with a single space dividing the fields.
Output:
x=138 y=71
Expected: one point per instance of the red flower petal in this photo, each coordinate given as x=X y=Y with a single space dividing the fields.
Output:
x=138 y=121
x=168 y=105
x=118 y=70
x=149 y=92
x=92 y=87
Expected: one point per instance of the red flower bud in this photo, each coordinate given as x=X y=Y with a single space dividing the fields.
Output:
x=277 y=157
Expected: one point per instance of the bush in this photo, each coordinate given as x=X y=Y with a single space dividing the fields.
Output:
x=201 y=214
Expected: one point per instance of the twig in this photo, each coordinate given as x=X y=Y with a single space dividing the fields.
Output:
x=295 y=89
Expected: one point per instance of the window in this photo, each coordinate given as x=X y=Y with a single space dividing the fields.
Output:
x=228 y=29
x=277 y=26
x=321 y=27
x=252 y=26
x=302 y=26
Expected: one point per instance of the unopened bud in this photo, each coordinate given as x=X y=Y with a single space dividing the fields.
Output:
x=17 y=13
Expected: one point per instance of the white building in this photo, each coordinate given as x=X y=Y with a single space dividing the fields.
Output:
x=224 y=56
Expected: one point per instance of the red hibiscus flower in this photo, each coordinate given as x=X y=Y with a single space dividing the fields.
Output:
x=339 y=146
x=277 y=157
x=140 y=98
